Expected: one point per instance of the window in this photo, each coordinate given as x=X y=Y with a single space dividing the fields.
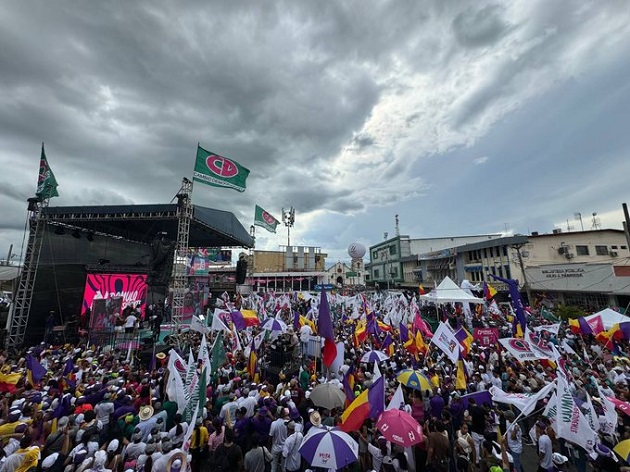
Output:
x=581 y=250
x=376 y=274
x=601 y=250
x=394 y=272
x=500 y=271
x=613 y=247
x=505 y=251
x=623 y=247
x=485 y=253
x=374 y=254
x=508 y=274
x=392 y=250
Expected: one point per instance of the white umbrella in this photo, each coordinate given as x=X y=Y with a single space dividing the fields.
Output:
x=329 y=448
x=374 y=356
x=274 y=324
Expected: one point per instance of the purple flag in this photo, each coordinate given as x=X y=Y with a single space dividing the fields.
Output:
x=376 y=397
x=238 y=320
x=35 y=371
x=325 y=329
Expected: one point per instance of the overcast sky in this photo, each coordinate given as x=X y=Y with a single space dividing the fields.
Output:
x=463 y=117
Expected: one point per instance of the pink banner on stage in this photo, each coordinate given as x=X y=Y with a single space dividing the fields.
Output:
x=486 y=336
x=108 y=294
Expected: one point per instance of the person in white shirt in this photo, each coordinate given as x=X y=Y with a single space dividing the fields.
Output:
x=130 y=323
x=290 y=452
x=514 y=440
x=277 y=437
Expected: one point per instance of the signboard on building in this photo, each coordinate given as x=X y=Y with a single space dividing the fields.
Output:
x=199 y=260
x=576 y=278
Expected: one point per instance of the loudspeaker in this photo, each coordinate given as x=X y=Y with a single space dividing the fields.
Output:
x=241 y=271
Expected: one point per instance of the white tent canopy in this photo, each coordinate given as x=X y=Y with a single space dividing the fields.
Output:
x=449 y=292
x=609 y=317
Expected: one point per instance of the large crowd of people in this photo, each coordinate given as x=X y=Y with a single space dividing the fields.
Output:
x=98 y=408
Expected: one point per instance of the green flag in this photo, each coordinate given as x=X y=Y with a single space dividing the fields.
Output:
x=218 y=353
x=218 y=171
x=46 y=182
x=264 y=219
x=548 y=315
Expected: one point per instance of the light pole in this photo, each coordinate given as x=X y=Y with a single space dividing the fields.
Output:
x=288 y=218
x=518 y=248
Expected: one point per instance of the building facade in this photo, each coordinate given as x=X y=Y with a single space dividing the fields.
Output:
x=293 y=268
x=583 y=268
x=395 y=262
x=344 y=275
x=586 y=268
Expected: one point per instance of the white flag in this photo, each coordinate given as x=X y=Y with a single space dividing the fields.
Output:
x=572 y=424
x=398 y=400
x=204 y=357
x=444 y=339
x=217 y=324
x=520 y=349
x=610 y=414
x=525 y=402
x=197 y=325
x=567 y=349
x=175 y=385
x=590 y=414
x=551 y=410
x=552 y=328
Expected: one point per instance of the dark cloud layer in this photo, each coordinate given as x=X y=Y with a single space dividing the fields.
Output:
x=348 y=111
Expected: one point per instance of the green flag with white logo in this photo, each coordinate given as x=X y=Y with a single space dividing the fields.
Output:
x=265 y=219
x=219 y=171
x=46 y=182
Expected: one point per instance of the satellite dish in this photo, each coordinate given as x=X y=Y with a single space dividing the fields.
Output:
x=356 y=250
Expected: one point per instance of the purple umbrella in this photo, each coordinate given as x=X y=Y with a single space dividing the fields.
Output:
x=329 y=448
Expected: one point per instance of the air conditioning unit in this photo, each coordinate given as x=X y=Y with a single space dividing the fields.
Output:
x=563 y=250
x=569 y=255
x=613 y=253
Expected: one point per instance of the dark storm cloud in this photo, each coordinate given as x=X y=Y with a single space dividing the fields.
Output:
x=312 y=97
x=482 y=27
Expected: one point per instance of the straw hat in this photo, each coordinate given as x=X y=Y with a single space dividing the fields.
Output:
x=160 y=355
x=315 y=418
x=146 y=412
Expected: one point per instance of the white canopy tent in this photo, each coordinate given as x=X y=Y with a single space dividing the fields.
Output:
x=449 y=292
x=609 y=317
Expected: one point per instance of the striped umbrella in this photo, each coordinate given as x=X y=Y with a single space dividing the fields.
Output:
x=329 y=448
x=274 y=325
x=414 y=379
x=374 y=356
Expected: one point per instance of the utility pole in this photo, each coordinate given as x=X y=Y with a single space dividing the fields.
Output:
x=518 y=248
x=288 y=218
x=626 y=223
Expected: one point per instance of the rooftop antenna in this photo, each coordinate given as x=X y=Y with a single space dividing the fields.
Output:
x=578 y=216
x=288 y=218
x=597 y=224
x=397 y=227
x=569 y=227
x=385 y=235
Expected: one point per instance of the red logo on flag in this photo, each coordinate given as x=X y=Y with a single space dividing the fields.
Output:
x=268 y=218
x=221 y=166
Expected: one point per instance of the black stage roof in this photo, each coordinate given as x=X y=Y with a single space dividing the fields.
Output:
x=208 y=228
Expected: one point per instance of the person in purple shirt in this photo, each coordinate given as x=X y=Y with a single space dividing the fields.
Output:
x=261 y=423
x=436 y=404
x=242 y=429
x=457 y=411
x=125 y=408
